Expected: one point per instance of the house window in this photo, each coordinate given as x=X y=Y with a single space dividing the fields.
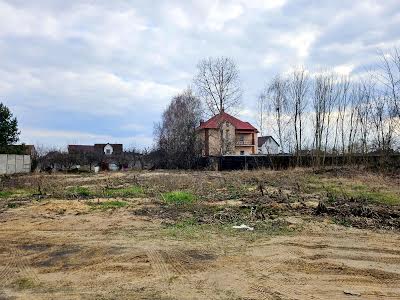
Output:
x=241 y=138
x=108 y=151
x=241 y=152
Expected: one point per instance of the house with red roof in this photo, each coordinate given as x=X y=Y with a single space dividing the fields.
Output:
x=224 y=134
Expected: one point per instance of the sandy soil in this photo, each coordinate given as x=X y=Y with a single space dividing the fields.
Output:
x=59 y=249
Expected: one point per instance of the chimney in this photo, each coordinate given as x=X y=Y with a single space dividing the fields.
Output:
x=201 y=122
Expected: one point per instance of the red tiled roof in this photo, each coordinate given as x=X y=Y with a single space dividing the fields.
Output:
x=214 y=122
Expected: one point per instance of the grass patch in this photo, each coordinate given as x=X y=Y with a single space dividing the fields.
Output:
x=13 y=205
x=24 y=283
x=363 y=192
x=108 y=205
x=133 y=191
x=340 y=189
x=342 y=222
x=188 y=229
x=79 y=191
x=179 y=197
x=16 y=193
x=5 y=194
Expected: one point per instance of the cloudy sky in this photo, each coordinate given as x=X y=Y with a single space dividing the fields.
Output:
x=103 y=71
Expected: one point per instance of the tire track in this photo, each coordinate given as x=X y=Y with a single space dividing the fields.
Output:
x=158 y=263
x=171 y=258
x=16 y=267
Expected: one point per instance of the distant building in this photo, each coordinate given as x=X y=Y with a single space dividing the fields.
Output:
x=20 y=149
x=224 y=134
x=106 y=149
x=267 y=145
x=30 y=150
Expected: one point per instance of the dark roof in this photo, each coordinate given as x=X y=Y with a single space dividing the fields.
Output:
x=98 y=148
x=214 y=122
x=80 y=148
x=263 y=139
x=117 y=148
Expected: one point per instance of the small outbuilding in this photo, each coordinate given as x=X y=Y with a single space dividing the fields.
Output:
x=267 y=145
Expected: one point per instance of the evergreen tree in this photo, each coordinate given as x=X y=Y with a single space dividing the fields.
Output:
x=8 y=127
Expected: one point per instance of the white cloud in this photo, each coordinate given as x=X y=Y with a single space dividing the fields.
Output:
x=265 y=4
x=19 y=22
x=177 y=16
x=95 y=92
x=301 y=41
x=344 y=69
x=219 y=14
x=270 y=60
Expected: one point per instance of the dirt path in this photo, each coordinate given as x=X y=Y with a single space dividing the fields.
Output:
x=82 y=254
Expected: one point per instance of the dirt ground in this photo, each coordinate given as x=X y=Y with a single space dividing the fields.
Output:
x=59 y=248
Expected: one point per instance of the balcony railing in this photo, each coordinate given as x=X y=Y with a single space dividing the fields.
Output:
x=244 y=143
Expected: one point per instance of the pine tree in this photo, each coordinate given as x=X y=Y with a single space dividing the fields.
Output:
x=8 y=127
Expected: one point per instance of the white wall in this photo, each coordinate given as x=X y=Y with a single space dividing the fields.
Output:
x=12 y=164
x=108 y=147
x=269 y=147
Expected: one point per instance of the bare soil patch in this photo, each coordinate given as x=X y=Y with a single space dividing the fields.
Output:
x=63 y=248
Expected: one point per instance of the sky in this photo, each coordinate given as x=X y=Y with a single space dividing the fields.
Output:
x=84 y=72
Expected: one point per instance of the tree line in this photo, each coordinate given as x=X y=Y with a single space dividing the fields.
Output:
x=328 y=114
x=316 y=114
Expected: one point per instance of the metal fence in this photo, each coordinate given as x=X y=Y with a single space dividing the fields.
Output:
x=13 y=164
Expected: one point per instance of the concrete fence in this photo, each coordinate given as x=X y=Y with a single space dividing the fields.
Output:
x=13 y=164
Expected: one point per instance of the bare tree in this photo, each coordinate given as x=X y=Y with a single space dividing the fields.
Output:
x=353 y=120
x=383 y=124
x=175 y=135
x=342 y=105
x=276 y=97
x=390 y=77
x=325 y=96
x=261 y=112
x=298 y=86
x=218 y=84
x=364 y=107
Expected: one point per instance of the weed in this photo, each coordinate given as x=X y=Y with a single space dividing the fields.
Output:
x=79 y=191
x=337 y=189
x=342 y=221
x=19 y=192
x=179 y=197
x=188 y=229
x=13 y=205
x=5 y=194
x=24 y=283
x=108 y=205
x=124 y=192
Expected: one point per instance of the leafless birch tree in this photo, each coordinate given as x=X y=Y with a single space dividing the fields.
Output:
x=218 y=84
x=276 y=95
x=298 y=87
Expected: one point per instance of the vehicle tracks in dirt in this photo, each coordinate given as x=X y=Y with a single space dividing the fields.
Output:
x=17 y=266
